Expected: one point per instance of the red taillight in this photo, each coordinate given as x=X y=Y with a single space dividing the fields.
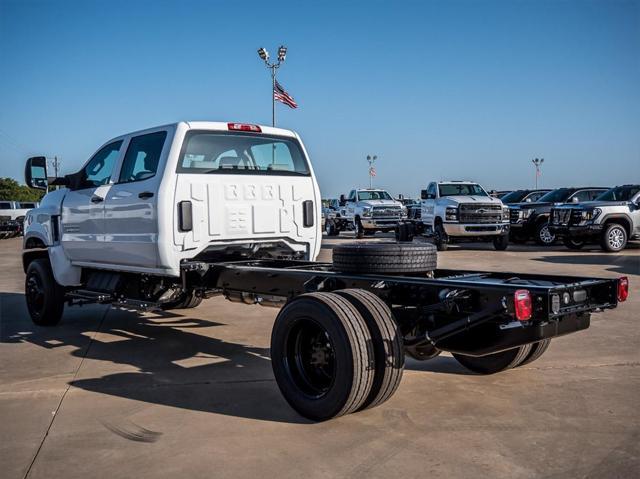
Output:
x=623 y=288
x=523 y=305
x=244 y=127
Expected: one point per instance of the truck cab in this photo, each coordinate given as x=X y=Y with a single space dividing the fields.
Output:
x=149 y=200
x=462 y=211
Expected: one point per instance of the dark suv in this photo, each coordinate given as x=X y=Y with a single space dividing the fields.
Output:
x=531 y=220
x=523 y=196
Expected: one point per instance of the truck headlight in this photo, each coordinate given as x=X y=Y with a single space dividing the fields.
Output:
x=451 y=214
x=524 y=214
x=590 y=215
x=505 y=212
x=366 y=211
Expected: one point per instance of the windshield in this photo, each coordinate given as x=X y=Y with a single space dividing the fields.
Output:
x=373 y=195
x=619 y=193
x=556 y=196
x=241 y=153
x=455 y=189
x=514 y=196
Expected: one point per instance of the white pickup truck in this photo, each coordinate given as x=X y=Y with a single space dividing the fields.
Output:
x=366 y=211
x=453 y=211
x=162 y=218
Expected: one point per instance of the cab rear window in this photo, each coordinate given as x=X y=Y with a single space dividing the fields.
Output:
x=207 y=152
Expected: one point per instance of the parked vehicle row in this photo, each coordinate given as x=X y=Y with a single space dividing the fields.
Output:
x=162 y=218
x=12 y=214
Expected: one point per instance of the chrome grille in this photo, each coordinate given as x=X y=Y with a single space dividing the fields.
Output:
x=387 y=212
x=560 y=216
x=474 y=213
x=514 y=215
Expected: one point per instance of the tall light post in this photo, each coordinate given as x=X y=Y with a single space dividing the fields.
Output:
x=538 y=164
x=282 y=55
x=372 y=171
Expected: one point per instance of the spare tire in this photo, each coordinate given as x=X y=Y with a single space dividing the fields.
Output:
x=385 y=258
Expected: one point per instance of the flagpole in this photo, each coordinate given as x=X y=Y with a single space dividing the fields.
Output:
x=273 y=96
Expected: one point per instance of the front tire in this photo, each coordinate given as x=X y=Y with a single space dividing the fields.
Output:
x=495 y=363
x=544 y=237
x=573 y=243
x=440 y=238
x=501 y=243
x=358 y=228
x=614 y=238
x=45 y=297
x=321 y=356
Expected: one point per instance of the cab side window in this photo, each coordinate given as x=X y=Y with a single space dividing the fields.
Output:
x=431 y=191
x=582 y=195
x=98 y=171
x=352 y=195
x=142 y=157
x=593 y=194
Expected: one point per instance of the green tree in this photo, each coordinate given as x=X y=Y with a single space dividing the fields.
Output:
x=11 y=190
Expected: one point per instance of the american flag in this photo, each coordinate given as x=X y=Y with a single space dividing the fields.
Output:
x=281 y=95
x=372 y=171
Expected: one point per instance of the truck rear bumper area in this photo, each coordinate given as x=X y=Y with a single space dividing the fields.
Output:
x=576 y=231
x=490 y=338
x=456 y=229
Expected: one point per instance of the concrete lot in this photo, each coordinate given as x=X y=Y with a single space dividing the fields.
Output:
x=191 y=394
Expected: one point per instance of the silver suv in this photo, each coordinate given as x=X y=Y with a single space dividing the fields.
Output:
x=611 y=219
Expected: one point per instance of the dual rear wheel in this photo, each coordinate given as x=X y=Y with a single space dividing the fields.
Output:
x=336 y=353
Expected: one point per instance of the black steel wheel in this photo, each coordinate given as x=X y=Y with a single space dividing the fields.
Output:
x=440 y=237
x=387 y=258
x=573 y=243
x=330 y=228
x=614 y=238
x=501 y=243
x=537 y=349
x=45 y=297
x=387 y=344
x=322 y=356
x=494 y=363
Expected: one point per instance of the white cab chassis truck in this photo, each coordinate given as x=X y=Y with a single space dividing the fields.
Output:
x=366 y=211
x=166 y=217
x=458 y=211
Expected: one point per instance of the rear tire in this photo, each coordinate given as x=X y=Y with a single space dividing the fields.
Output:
x=386 y=258
x=572 y=243
x=501 y=243
x=45 y=297
x=322 y=356
x=614 y=238
x=494 y=363
x=537 y=350
x=387 y=344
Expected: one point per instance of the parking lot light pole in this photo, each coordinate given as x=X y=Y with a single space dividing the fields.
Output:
x=264 y=55
x=538 y=164
x=372 y=172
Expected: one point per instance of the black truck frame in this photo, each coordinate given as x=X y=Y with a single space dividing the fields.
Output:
x=489 y=321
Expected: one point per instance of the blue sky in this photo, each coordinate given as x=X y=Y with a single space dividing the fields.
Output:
x=438 y=90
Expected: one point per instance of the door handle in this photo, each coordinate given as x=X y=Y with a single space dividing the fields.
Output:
x=96 y=199
x=145 y=194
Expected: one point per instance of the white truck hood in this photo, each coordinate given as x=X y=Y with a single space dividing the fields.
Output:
x=473 y=199
x=379 y=203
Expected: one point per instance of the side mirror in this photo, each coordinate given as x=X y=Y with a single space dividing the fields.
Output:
x=35 y=173
x=575 y=200
x=424 y=195
x=343 y=200
x=528 y=200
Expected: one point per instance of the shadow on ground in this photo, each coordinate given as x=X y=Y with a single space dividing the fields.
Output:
x=170 y=358
x=624 y=264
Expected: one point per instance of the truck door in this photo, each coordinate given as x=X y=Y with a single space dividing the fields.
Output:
x=427 y=205
x=82 y=216
x=131 y=222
